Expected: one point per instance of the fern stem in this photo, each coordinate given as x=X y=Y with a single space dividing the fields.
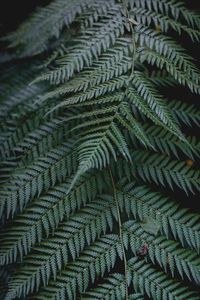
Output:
x=120 y=233
x=124 y=4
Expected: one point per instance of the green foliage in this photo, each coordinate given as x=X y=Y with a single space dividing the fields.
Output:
x=156 y=284
x=96 y=156
x=166 y=253
x=113 y=287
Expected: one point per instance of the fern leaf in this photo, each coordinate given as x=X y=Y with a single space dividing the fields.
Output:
x=113 y=287
x=167 y=253
x=87 y=225
x=86 y=119
x=173 y=219
x=170 y=8
x=77 y=274
x=92 y=47
x=45 y=214
x=34 y=178
x=162 y=170
x=167 y=143
x=156 y=103
x=161 y=62
x=55 y=16
x=187 y=114
x=156 y=284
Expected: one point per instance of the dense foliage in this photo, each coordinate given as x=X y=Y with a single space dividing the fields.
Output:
x=91 y=144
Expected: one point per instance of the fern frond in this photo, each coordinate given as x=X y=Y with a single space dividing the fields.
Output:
x=146 y=16
x=44 y=215
x=99 y=74
x=86 y=119
x=107 y=87
x=15 y=91
x=168 y=48
x=156 y=284
x=112 y=288
x=167 y=253
x=136 y=296
x=69 y=239
x=155 y=101
x=132 y=125
x=161 y=62
x=138 y=102
x=33 y=179
x=98 y=145
x=92 y=47
x=167 y=143
x=186 y=113
x=168 y=171
x=103 y=254
x=31 y=142
x=96 y=148
x=160 y=169
x=180 y=222
x=161 y=78
x=170 y=8
x=47 y=23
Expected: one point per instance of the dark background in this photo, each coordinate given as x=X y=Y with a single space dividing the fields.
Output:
x=13 y=12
